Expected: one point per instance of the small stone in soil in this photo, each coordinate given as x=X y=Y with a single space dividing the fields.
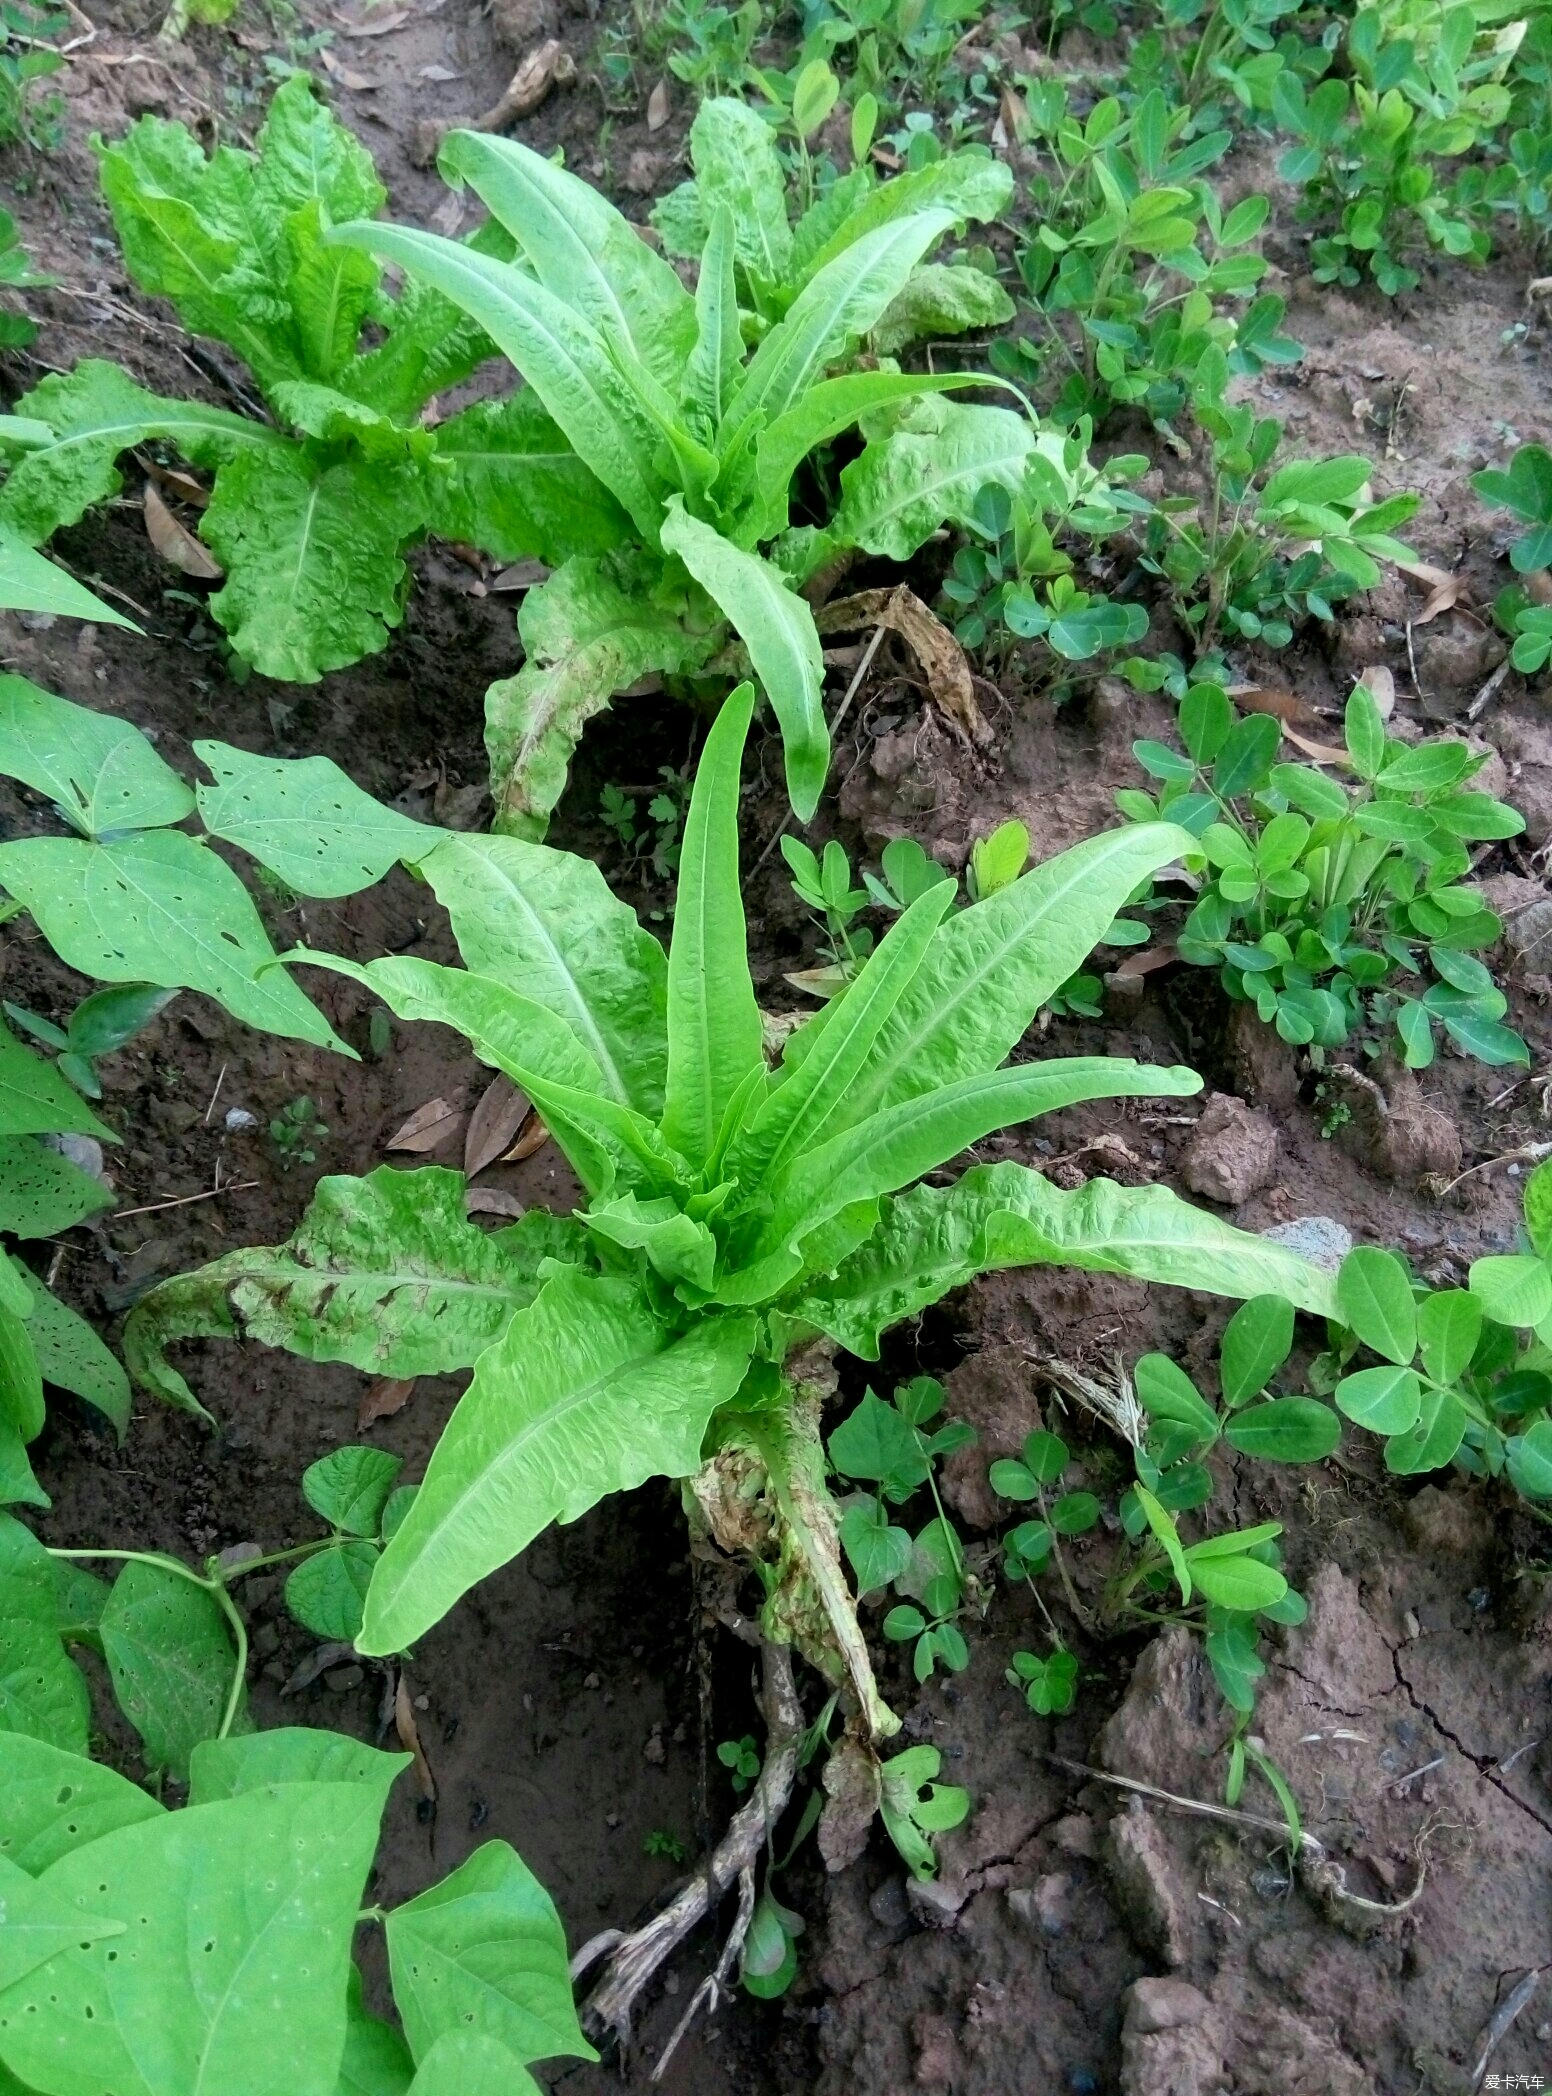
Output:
x=1317 y=1238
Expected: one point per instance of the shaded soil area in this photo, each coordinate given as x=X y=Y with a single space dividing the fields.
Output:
x=1079 y=1939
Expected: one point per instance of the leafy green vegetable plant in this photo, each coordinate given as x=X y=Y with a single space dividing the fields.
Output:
x=1228 y=1585
x=1016 y=584
x=309 y=513
x=216 y=1943
x=1316 y=896
x=689 y=446
x=734 y=1217
x=1129 y=247
x=1273 y=544
x=1368 y=146
x=1456 y=1381
x=26 y=57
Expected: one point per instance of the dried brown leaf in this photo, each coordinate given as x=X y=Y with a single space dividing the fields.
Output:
x=1381 y=687
x=492 y=1200
x=379 y=25
x=347 y=76
x=438 y=74
x=175 y=542
x=1013 y=116
x=817 y=982
x=521 y=575
x=533 y=1138
x=1322 y=752
x=657 y=107
x=317 y=1662
x=1281 y=705
x=382 y=1397
x=409 y=1738
x=1145 y=962
x=935 y=648
x=493 y=1125
x=183 y=485
x=429 y=1127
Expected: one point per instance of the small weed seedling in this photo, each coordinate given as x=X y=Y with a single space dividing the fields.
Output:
x=101 y=1023
x=27 y=118
x=1456 y=1382
x=1525 y=490
x=741 y=1758
x=887 y=1445
x=17 y=331
x=660 y=1842
x=1317 y=896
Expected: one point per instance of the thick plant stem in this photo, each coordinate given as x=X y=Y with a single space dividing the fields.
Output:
x=787 y=1442
x=634 y=1960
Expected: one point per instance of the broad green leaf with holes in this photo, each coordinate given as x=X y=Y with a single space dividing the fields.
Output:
x=39 y=1924
x=225 y=1768
x=42 y=1691
x=170 y=1654
x=241 y=1913
x=103 y=773
x=159 y=907
x=70 y=1354
x=305 y=820
x=53 y=1802
x=467 y=2063
x=484 y=1951
x=41 y=1192
x=36 y=1100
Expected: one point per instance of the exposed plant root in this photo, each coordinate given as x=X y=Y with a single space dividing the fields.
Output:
x=636 y=1957
x=710 y=1988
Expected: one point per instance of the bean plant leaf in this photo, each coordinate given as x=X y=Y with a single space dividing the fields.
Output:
x=544 y=923
x=170 y=1654
x=39 y=1925
x=467 y=2063
x=41 y=1192
x=714 y=1035
x=585 y=1394
x=1513 y=1289
x=315 y=579
x=53 y=1802
x=327 y=1592
x=36 y=1100
x=933 y=1239
x=102 y=772
x=70 y=1354
x=305 y=820
x=1374 y=1298
x=227 y=1768
x=777 y=627
x=158 y=907
x=484 y=1951
x=377 y=2061
x=1449 y=1324
x=1286 y=1430
x=386 y=1273
x=349 y=1487
x=42 y=1691
x=1257 y=1340
x=240 y=1886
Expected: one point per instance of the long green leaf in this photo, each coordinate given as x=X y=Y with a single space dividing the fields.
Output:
x=28 y=582
x=991 y=967
x=545 y=923
x=970 y=185
x=608 y=1145
x=822 y=413
x=586 y=1394
x=733 y=150
x=835 y=308
x=777 y=628
x=505 y=479
x=800 y=1112
x=386 y=1273
x=42 y=1691
x=902 y=1142
x=933 y=1239
x=719 y=348
x=580 y=247
x=714 y=1037
x=558 y=353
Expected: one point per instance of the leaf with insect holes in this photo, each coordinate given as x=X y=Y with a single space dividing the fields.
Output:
x=36 y=1100
x=170 y=1655
x=227 y=1768
x=157 y=906
x=53 y=1802
x=102 y=772
x=42 y=1691
x=70 y=1354
x=41 y=1192
x=484 y=1950
x=235 y=1881
x=305 y=820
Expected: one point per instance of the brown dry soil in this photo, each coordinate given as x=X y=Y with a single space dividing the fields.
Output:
x=1078 y=1941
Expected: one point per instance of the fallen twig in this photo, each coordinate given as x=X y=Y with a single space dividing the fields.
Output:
x=1479 y=704
x=1503 y=2016
x=238 y=1186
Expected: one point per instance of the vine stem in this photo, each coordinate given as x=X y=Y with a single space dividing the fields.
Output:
x=212 y=1585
